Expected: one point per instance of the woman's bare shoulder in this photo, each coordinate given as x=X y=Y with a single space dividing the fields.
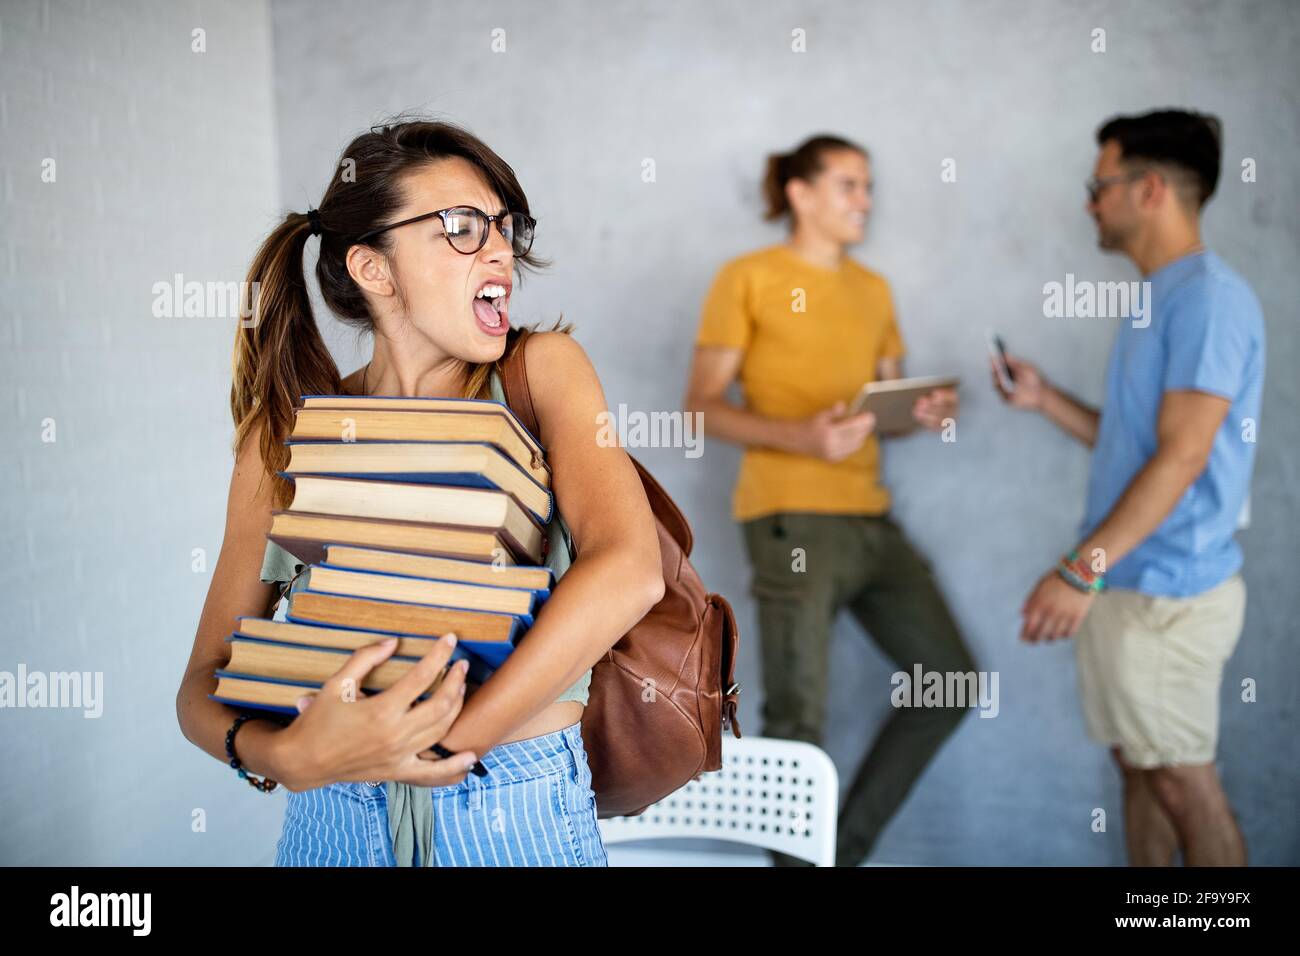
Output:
x=553 y=356
x=566 y=391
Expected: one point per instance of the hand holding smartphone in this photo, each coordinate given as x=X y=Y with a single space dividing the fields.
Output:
x=998 y=350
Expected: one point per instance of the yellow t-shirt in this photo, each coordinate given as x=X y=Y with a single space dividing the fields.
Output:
x=811 y=336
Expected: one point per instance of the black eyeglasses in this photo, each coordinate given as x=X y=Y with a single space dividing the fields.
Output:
x=466 y=228
x=1095 y=185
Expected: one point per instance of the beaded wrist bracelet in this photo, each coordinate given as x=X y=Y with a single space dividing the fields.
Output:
x=266 y=784
x=1076 y=573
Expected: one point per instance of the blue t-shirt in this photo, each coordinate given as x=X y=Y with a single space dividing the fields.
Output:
x=1206 y=333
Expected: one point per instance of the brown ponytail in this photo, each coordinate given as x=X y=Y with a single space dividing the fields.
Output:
x=279 y=353
x=804 y=163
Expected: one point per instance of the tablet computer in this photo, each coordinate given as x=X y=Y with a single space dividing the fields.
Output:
x=891 y=401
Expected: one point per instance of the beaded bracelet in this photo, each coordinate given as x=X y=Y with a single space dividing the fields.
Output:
x=1077 y=574
x=266 y=784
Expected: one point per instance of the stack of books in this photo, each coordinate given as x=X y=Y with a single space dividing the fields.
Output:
x=415 y=517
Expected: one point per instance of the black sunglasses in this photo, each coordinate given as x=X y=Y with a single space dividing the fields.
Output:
x=466 y=228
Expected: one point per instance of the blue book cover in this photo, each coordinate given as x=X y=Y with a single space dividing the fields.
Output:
x=542 y=593
x=521 y=621
x=493 y=653
x=534 y=596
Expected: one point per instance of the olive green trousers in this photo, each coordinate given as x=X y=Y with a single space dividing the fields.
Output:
x=806 y=568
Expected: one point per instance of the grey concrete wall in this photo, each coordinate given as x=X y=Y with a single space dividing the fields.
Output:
x=171 y=163
x=585 y=92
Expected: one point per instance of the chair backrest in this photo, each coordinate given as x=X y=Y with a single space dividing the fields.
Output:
x=777 y=794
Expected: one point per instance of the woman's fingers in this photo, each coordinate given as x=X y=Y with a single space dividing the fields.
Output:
x=420 y=678
x=360 y=663
x=429 y=720
x=436 y=772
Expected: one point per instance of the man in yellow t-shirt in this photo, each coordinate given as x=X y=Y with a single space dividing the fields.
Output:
x=802 y=326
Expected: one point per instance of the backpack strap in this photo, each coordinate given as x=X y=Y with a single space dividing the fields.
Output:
x=558 y=550
x=514 y=381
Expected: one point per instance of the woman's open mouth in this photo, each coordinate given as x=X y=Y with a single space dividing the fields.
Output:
x=491 y=307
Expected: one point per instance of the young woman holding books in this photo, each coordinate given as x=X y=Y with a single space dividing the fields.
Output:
x=418 y=219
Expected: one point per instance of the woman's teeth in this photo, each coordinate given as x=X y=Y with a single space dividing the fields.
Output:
x=495 y=294
x=490 y=307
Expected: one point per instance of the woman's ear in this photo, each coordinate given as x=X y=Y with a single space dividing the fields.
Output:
x=370 y=270
x=796 y=193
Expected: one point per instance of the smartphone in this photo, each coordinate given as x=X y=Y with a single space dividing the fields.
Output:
x=999 y=352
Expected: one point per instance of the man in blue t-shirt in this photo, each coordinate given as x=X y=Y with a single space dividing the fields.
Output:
x=1173 y=449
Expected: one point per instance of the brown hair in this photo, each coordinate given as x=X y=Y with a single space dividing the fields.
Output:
x=804 y=163
x=281 y=356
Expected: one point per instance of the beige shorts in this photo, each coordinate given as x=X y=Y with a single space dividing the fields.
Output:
x=1150 y=669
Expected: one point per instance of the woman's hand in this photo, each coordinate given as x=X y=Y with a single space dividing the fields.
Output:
x=342 y=734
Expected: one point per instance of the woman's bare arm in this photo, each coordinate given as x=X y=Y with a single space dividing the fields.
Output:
x=236 y=589
x=617 y=576
x=341 y=736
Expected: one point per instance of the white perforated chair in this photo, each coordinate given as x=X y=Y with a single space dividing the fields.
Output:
x=776 y=794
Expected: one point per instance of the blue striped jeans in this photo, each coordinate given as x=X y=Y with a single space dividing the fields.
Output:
x=534 y=808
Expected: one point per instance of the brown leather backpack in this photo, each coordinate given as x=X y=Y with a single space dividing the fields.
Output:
x=661 y=697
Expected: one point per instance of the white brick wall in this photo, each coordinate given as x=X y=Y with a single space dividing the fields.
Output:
x=165 y=163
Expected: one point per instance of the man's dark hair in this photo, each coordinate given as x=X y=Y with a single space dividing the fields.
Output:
x=1190 y=143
